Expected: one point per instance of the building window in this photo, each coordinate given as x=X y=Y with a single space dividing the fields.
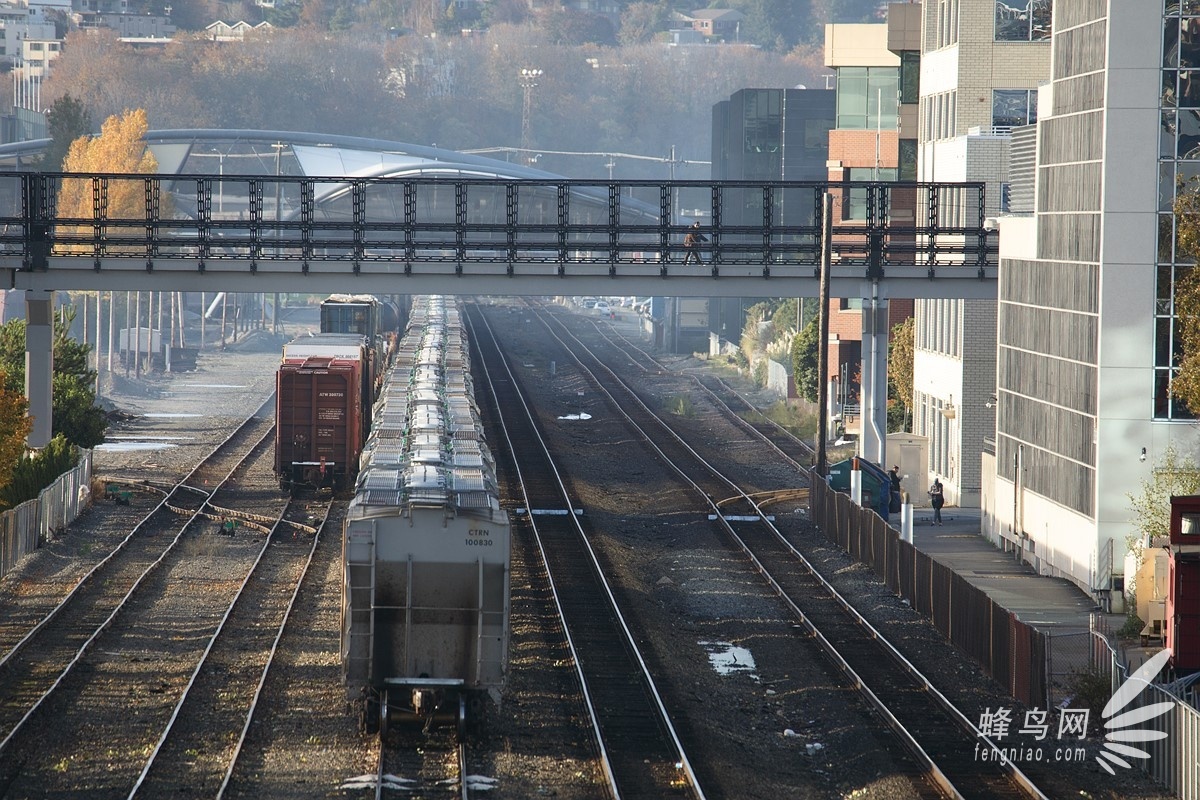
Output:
x=1012 y=108
x=1023 y=20
x=908 y=159
x=867 y=98
x=910 y=76
x=1005 y=198
x=947 y=29
x=856 y=205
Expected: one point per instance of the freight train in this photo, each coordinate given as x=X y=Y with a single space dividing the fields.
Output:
x=324 y=390
x=425 y=600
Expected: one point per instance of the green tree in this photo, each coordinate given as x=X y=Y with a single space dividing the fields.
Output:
x=67 y=120
x=901 y=349
x=37 y=471
x=76 y=415
x=1174 y=474
x=804 y=361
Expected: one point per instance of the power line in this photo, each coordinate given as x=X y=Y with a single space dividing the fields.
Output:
x=522 y=150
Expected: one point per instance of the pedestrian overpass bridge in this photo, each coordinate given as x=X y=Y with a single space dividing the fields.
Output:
x=461 y=233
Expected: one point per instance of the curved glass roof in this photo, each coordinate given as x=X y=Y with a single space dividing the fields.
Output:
x=212 y=151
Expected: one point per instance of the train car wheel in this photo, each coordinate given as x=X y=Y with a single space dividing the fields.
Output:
x=385 y=716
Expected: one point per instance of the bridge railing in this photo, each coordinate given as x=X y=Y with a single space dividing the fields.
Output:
x=460 y=219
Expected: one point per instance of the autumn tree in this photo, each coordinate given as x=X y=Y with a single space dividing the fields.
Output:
x=641 y=22
x=901 y=348
x=119 y=148
x=1185 y=384
x=15 y=425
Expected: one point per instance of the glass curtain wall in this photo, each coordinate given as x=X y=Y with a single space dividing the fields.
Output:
x=1179 y=167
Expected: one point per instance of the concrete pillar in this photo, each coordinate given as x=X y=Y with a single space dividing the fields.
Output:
x=39 y=364
x=873 y=441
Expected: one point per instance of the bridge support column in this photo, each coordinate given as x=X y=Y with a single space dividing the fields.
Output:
x=873 y=440
x=39 y=363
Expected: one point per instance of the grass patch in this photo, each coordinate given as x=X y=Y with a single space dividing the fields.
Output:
x=680 y=405
x=799 y=423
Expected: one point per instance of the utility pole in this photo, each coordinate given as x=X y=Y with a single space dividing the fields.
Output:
x=823 y=328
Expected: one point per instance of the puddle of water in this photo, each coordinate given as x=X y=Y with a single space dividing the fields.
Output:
x=577 y=416
x=170 y=416
x=133 y=447
x=728 y=659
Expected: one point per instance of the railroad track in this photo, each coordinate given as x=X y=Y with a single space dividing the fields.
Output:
x=930 y=726
x=416 y=764
x=219 y=702
x=640 y=752
x=104 y=634
x=738 y=409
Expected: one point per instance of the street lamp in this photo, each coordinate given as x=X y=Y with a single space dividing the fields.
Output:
x=278 y=147
x=221 y=182
x=528 y=78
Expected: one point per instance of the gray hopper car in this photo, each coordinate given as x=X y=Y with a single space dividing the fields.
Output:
x=425 y=613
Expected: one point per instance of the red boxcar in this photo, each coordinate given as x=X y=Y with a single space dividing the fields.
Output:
x=1183 y=598
x=320 y=419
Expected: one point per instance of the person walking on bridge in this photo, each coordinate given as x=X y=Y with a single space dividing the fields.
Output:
x=691 y=244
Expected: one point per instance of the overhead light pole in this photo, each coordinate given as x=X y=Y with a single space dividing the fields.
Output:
x=278 y=147
x=529 y=79
x=220 y=182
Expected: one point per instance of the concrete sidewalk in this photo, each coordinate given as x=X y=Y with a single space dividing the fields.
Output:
x=1049 y=604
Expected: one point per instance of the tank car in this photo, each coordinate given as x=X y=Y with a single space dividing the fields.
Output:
x=425 y=611
x=322 y=411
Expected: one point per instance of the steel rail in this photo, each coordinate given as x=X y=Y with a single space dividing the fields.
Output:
x=593 y=716
x=1015 y=772
x=87 y=644
x=684 y=762
x=237 y=751
x=129 y=537
x=624 y=344
x=212 y=643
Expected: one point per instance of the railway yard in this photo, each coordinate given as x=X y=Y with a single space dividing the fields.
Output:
x=199 y=655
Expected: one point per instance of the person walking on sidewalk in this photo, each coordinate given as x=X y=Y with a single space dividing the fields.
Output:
x=691 y=244
x=895 y=497
x=937 y=499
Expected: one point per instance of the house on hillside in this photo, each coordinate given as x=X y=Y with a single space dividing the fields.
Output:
x=220 y=31
x=717 y=22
